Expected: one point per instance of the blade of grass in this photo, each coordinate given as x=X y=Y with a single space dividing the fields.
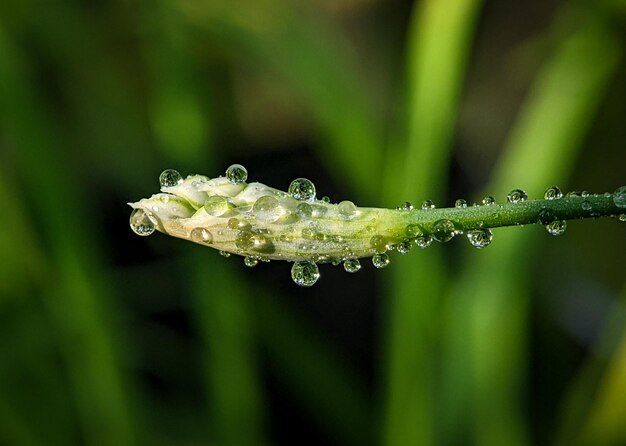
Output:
x=488 y=306
x=439 y=41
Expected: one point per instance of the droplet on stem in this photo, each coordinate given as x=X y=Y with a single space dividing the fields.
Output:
x=517 y=196
x=305 y=273
x=236 y=174
x=380 y=260
x=480 y=238
x=553 y=193
x=169 y=178
x=140 y=223
x=302 y=189
x=352 y=265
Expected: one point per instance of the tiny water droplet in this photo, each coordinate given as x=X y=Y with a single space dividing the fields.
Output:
x=268 y=209
x=302 y=189
x=413 y=231
x=352 y=265
x=169 y=178
x=225 y=254
x=201 y=235
x=428 y=204
x=250 y=261
x=347 y=209
x=460 y=203
x=585 y=194
x=326 y=199
x=443 y=230
x=619 y=197
x=517 y=196
x=216 y=205
x=406 y=206
x=622 y=217
x=480 y=238
x=424 y=241
x=553 y=193
x=304 y=211
x=305 y=273
x=236 y=174
x=556 y=227
x=488 y=201
x=404 y=247
x=585 y=205
x=140 y=223
x=380 y=260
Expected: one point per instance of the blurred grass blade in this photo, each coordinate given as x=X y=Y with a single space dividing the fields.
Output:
x=488 y=307
x=440 y=36
x=76 y=293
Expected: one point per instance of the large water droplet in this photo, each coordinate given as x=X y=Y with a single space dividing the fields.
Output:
x=268 y=209
x=302 y=189
x=244 y=240
x=380 y=260
x=480 y=238
x=413 y=231
x=488 y=201
x=556 y=227
x=216 y=205
x=250 y=261
x=553 y=193
x=404 y=247
x=304 y=211
x=424 y=241
x=169 y=178
x=201 y=235
x=406 y=206
x=236 y=174
x=619 y=197
x=443 y=230
x=347 y=209
x=305 y=273
x=428 y=204
x=352 y=265
x=460 y=203
x=517 y=196
x=140 y=223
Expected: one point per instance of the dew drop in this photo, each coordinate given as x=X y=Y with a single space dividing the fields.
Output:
x=556 y=227
x=216 y=205
x=347 y=209
x=169 y=178
x=424 y=241
x=443 y=230
x=404 y=247
x=517 y=196
x=304 y=211
x=326 y=199
x=352 y=265
x=585 y=205
x=302 y=189
x=619 y=197
x=380 y=260
x=236 y=174
x=268 y=209
x=244 y=240
x=480 y=238
x=406 y=206
x=201 y=235
x=585 y=194
x=305 y=273
x=250 y=261
x=428 y=204
x=413 y=231
x=140 y=223
x=622 y=217
x=225 y=254
x=488 y=201
x=460 y=203
x=553 y=193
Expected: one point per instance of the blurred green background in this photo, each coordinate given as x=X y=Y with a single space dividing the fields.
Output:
x=107 y=338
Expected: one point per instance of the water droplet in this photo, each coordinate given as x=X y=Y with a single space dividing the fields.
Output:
x=379 y=243
x=304 y=211
x=268 y=209
x=556 y=227
x=517 y=196
x=347 y=209
x=352 y=265
x=326 y=199
x=488 y=201
x=585 y=205
x=480 y=238
x=169 y=178
x=460 y=203
x=140 y=223
x=216 y=205
x=622 y=217
x=553 y=193
x=250 y=261
x=236 y=174
x=380 y=260
x=406 y=206
x=201 y=235
x=302 y=189
x=305 y=273
x=404 y=247
x=424 y=241
x=260 y=243
x=619 y=197
x=413 y=231
x=585 y=194
x=318 y=210
x=428 y=204
x=443 y=230
x=244 y=240
x=225 y=254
